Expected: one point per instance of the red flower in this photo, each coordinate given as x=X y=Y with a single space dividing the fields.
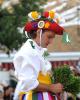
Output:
x=46 y=14
x=28 y=27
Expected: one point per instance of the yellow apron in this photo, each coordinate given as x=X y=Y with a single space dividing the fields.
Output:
x=42 y=79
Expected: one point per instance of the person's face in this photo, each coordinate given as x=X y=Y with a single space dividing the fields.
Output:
x=47 y=38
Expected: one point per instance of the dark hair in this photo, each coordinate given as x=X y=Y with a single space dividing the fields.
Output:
x=32 y=34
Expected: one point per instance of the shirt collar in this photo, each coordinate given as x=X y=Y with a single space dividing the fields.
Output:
x=36 y=45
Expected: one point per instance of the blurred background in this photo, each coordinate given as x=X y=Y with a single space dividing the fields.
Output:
x=13 y=16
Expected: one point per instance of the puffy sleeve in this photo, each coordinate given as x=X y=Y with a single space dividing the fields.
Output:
x=27 y=68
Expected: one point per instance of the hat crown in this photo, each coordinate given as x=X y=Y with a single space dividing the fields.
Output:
x=47 y=20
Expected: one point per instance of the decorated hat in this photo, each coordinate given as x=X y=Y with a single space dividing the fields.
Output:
x=47 y=20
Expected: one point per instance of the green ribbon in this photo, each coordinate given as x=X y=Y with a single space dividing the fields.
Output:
x=35 y=96
x=32 y=44
x=66 y=38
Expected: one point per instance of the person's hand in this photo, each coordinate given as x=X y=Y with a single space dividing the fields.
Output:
x=56 y=88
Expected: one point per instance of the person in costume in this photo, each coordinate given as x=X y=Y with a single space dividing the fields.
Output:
x=32 y=69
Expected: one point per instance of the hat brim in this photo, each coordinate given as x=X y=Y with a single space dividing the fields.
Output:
x=53 y=26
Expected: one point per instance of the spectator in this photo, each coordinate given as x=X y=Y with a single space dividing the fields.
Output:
x=7 y=92
x=1 y=92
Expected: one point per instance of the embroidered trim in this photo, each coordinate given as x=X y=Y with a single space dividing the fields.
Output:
x=31 y=42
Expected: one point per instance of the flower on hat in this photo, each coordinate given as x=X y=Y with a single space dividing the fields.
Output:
x=47 y=25
x=49 y=14
x=34 y=15
x=28 y=26
x=41 y=24
x=52 y=14
x=46 y=14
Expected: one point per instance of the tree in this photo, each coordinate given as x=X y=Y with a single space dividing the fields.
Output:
x=12 y=17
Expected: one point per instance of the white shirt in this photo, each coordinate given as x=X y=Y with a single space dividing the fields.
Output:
x=28 y=62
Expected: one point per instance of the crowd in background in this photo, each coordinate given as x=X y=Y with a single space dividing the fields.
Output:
x=7 y=87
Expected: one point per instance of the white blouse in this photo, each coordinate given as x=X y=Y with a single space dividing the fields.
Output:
x=28 y=62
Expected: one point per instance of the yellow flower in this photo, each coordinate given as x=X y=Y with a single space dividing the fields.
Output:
x=35 y=15
x=47 y=25
x=51 y=14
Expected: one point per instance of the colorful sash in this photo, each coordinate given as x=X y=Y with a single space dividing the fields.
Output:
x=39 y=95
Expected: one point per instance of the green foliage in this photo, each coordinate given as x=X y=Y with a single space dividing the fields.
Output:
x=45 y=54
x=9 y=22
x=74 y=85
x=70 y=82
